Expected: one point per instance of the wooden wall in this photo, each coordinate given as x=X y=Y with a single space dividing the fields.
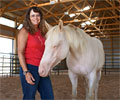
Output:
x=112 y=51
x=6 y=31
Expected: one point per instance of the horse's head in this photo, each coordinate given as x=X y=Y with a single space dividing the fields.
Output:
x=56 y=48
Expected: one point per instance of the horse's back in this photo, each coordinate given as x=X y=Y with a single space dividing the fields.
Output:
x=97 y=41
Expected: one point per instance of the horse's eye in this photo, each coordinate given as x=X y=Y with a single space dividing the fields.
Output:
x=55 y=46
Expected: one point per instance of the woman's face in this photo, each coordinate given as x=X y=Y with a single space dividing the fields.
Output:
x=34 y=18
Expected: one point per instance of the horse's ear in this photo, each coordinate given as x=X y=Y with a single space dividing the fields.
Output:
x=48 y=26
x=60 y=24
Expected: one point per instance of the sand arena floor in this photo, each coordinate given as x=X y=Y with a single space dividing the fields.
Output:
x=109 y=88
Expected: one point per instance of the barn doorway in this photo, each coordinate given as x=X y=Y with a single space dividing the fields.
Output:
x=6 y=50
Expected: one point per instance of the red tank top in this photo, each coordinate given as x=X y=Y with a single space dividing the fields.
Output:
x=34 y=48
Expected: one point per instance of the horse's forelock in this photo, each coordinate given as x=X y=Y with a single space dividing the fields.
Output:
x=54 y=30
x=53 y=35
x=51 y=32
x=72 y=26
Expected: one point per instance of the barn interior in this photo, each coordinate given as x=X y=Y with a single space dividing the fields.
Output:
x=98 y=18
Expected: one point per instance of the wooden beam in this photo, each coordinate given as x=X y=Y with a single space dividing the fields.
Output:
x=108 y=33
x=51 y=14
x=108 y=24
x=28 y=4
x=20 y=20
x=66 y=0
x=6 y=36
x=2 y=10
x=7 y=13
x=79 y=14
x=108 y=36
x=7 y=28
x=39 y=5
x=81 y=20
x=50 y=10
x=84 y=3
x=68 y=9
x=118 y=1
x=112 y=11
x=103 y=29
x=72 y=5
x=87 y=18
x=105 y=35
x=109 y=2
x=90 y=10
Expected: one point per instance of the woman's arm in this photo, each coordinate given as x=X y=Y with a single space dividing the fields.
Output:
x=22 y=41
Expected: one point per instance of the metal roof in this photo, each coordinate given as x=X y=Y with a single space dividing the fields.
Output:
x=104 y=12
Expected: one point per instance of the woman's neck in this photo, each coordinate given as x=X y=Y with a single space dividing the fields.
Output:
x=36 y=28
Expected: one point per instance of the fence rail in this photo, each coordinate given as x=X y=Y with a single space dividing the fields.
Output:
x=9 y=65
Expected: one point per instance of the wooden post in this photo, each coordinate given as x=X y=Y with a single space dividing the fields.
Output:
x=112 y=51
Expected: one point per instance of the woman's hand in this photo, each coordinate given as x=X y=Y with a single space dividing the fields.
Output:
x=29 y=78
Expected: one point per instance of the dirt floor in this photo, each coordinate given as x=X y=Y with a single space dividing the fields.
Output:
x=109 y=88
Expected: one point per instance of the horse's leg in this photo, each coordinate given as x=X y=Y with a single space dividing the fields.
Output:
x=91 y=86
x=86 y=87
x=74 y=80
x=97 y=83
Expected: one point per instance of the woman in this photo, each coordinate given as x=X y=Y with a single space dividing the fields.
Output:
x=31 y=46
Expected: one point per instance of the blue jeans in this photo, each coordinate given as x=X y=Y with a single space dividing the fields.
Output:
x=42 y=84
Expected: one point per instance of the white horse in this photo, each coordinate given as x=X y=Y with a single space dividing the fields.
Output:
x=84 y=56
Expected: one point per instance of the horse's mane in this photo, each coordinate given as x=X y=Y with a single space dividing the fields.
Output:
x=77 y=37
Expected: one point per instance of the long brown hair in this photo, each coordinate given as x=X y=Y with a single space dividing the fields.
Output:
x=29 y=26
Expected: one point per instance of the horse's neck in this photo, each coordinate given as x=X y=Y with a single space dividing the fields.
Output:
x=77 y=39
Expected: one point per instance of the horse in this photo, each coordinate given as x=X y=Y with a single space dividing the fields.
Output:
x=84 y=56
